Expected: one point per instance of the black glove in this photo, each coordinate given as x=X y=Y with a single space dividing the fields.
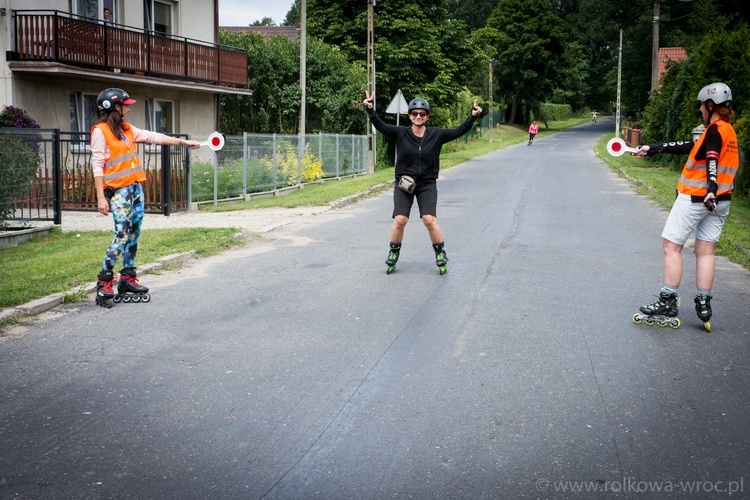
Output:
x=710 y=204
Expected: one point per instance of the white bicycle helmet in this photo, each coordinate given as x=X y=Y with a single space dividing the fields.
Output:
x=719 y=93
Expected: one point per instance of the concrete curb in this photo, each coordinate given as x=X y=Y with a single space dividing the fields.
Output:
x=51 y=301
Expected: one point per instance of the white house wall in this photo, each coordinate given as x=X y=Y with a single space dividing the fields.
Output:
x=46 y=96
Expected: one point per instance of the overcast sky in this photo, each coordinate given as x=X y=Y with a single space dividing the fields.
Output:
x=245 y=12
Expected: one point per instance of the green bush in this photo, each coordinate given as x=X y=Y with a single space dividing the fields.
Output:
x=555 y=112
x=19 y=159
x=672 y=112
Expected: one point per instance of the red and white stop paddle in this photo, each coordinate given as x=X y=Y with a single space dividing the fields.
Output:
x=617 y=147
x=215 y=141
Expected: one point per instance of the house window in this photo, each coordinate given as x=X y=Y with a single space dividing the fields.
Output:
x=160 y=16
x=83 y=115
x=86 y=8
x=110 y=12
x=159 y=116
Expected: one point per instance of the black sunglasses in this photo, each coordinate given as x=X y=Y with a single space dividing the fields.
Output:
x=421 y=114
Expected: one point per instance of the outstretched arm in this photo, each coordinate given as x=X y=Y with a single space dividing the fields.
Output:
x=390 y=131
x=455 y=133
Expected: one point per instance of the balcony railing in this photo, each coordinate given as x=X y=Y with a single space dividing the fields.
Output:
x=89 y=43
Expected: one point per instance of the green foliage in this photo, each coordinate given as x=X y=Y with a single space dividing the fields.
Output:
x=419 y=49
x=288 y=168
x=671 y=114
x=555 y=112
x=19 y=159
x=333 y=93
x=529 y=44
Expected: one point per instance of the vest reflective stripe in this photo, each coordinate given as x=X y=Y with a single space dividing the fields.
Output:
x=694 y=178
x=123 y=167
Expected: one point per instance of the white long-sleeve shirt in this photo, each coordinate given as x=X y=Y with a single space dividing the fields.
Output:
x=100 y=149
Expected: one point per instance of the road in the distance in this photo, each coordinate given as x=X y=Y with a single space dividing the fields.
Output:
x=296 y=368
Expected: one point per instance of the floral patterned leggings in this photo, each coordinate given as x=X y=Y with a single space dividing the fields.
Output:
x=127 y=206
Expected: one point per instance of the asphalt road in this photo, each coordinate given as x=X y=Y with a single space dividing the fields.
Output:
x=296 y=368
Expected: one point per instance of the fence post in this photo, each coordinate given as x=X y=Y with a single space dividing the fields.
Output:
x=275 y=186
x=244 y=165
x=166 y=180
x=337 y=155
x=57 y=178
x=189 y=176
x=216 y=180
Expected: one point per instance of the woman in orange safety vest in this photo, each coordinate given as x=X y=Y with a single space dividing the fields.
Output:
x=118 y=174
x=704 y=193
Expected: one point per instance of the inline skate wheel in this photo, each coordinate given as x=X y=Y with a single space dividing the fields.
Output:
x=117 y=299
x=145 y=298
x=637 y=318
x=136 y=298
x=104 y=302
x=662 y=322
x=649 y=321
x=707 y=326
x=390 y=269
x=125 y=298
x=675 y=323
x=443 y=270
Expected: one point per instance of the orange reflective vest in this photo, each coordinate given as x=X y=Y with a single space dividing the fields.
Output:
x=123 y=166
x=694 y=178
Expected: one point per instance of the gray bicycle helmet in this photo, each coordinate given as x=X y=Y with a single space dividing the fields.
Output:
x=419 y=103
x=719 y=93
x=109 y=97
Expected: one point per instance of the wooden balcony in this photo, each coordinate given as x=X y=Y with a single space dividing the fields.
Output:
x=87 y=43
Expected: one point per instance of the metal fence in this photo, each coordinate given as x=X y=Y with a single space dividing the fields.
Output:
x=265 y=164
x=27 y=192
x=43 y=171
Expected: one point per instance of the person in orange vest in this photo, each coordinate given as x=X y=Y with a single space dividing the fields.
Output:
x=704 y=193
x=118 y=174
x=533 y=130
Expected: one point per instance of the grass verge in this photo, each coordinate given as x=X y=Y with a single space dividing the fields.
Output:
x=62 y=261
x=659 y=183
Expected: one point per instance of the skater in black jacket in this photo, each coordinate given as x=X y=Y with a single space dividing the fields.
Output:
x=417 y=169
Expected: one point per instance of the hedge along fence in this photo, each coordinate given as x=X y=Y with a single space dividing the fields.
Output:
x=555 y=112
x=254 y=164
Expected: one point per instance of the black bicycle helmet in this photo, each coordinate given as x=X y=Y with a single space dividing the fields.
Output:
x=109 y=97
x=419 y=103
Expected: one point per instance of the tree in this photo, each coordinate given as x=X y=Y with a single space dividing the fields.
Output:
x=418 y=49
x=530 y=46
x=334 y=86
x=266 y=21
x=721 y=56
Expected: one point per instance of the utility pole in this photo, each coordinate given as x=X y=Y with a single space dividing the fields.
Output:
x=492 y=63
x=371 y=137
x=303 y=86
x=619 y=85
x=655 y=50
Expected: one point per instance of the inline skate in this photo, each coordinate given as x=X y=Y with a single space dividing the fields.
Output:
x=128 y=288
x=392 y=257
x=441 y=259
x=105 y=291
x=703 y=308
x=663 y=312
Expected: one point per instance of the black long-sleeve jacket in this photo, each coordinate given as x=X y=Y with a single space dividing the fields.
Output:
x=419 y=157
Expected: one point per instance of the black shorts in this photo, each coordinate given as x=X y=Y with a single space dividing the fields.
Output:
x=426 y=194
